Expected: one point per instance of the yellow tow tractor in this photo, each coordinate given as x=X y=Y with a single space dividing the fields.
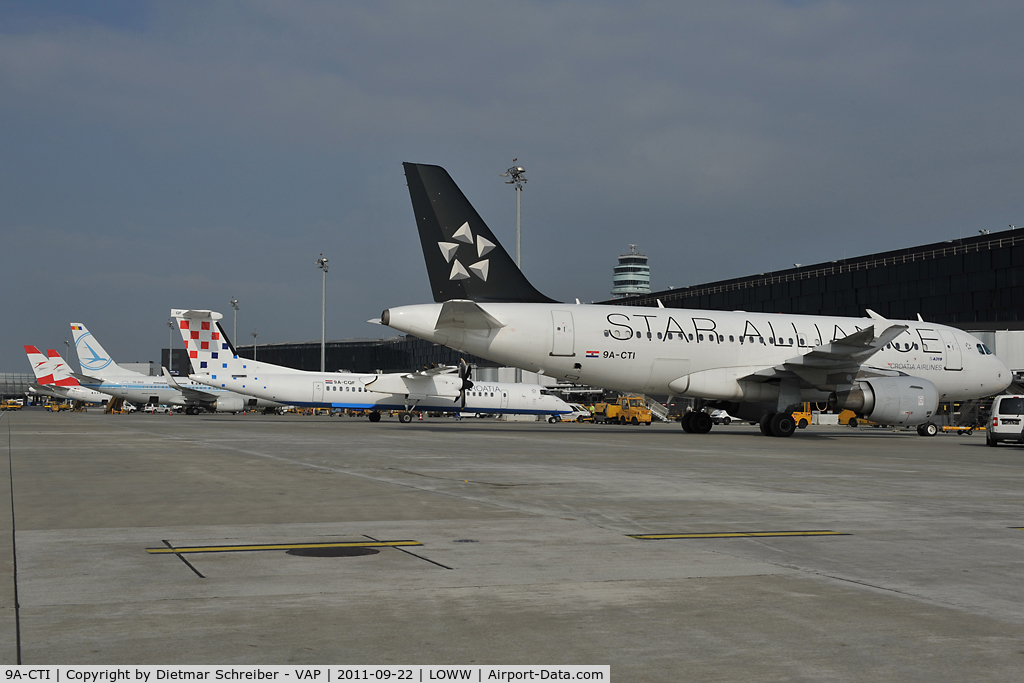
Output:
x=10 y=405
x=802 y=418
x=625 y=410
x=55 y=407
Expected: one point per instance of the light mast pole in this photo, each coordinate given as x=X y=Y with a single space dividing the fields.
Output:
x=322 y=264
x=516 y=176
x=234 y=328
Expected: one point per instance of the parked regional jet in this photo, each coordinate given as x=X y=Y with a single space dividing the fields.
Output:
x=54 y=378
x=757 y=366
x=215 y=364
x=100 y=372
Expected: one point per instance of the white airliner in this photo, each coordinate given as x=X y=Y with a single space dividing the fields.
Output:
x=757 y=366
x=54 y=378
x=101 y=373
x=215 y=364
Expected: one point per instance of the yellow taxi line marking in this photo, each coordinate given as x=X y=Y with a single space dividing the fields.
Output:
x=277 y=546
x=738 y=534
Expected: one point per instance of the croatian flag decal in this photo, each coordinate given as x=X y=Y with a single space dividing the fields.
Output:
x=593 y=354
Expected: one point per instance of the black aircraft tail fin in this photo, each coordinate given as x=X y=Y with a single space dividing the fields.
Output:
x=464 y=259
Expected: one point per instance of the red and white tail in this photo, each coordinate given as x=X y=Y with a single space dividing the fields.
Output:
x=50 y=369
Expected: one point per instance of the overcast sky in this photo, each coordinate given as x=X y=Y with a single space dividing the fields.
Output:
x=179 y=154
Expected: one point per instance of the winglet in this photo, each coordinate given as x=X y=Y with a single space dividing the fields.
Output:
x=168 y=377
x=874 y=315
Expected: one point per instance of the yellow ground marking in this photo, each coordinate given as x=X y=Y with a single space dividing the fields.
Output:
x=737 y=534
x=277 y=546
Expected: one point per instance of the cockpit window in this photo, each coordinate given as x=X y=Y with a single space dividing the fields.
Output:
x=988 y=351
x=1011 y=406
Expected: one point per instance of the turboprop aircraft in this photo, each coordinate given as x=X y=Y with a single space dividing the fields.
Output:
x=101 y=373
x=54 y=378
x=215 y=363
x=757 y=366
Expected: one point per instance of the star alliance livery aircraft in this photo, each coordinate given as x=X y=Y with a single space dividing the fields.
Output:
x=101 y=373
x=215 y=364
x=54 y=378
x=757 y=366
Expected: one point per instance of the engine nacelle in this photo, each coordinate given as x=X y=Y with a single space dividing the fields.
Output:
x=890 y=400
x=229 y=404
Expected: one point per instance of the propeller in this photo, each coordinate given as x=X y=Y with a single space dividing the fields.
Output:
x=465 y=373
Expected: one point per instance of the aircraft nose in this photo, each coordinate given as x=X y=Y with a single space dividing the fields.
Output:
x=1003 y=374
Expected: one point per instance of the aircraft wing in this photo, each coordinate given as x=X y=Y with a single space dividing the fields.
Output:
x=190 y=393
x=416 y=384
x=829 y=364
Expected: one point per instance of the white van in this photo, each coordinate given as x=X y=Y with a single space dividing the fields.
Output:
x=1007 y=423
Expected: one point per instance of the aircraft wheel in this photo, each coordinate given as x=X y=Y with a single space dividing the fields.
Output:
x=782 y=424
x=405 y=418
x=929 y=429
x=552 y=420
x=765 y=424
x=803 y=423
x=374 y=416
x=702 y=423
x=687 y=423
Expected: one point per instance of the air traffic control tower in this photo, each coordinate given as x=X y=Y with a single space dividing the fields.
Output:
x=632 y=276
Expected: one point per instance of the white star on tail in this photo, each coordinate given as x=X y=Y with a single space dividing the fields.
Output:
x=464 y=234
x=480 y=269
x=448 y=249
x=458 y=271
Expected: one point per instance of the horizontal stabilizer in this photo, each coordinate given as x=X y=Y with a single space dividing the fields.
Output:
x=466 y=315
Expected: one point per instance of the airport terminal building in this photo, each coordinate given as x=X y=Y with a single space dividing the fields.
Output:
x=974 y=283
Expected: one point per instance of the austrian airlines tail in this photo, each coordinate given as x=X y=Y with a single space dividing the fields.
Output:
x=50 y=369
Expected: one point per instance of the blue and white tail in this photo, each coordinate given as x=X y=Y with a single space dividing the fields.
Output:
x=93 y=358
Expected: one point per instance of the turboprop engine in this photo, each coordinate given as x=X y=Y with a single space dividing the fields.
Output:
x=230 y=404
x=889 y=400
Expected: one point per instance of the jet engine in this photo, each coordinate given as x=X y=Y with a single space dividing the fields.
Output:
x=889 y=400
x=229 y=404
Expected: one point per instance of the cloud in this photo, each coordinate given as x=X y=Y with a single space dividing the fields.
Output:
x=218 y=147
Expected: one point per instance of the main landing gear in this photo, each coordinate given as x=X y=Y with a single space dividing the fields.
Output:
x=696 y=422
x=777 y=424
x=405 y=417
x=927 y=429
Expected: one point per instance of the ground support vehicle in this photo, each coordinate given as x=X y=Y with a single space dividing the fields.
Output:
x=625 y=410
x=10 y=405
x=55 y=407
x=1007 y=421
x=579 y=414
